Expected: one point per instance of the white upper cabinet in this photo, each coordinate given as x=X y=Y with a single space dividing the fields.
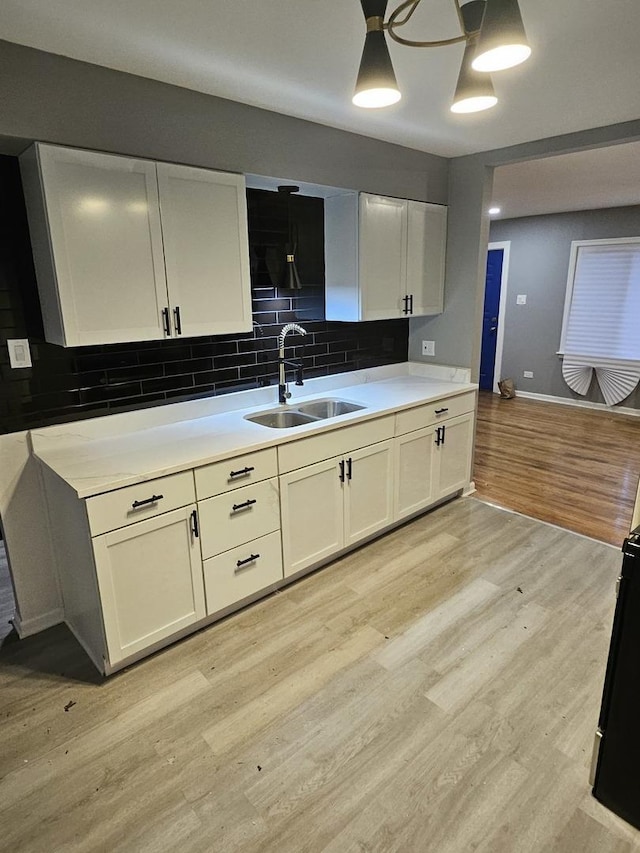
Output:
x=384 y=257
x=103 y=228
x=206 y=247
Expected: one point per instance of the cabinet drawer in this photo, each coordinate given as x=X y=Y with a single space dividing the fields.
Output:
x=307 y=451
x=433 y=413
x=133 y=503
x=238 y=516
x=233 y=473
x=242 y=571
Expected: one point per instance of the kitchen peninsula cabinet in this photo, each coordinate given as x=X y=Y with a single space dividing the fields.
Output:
x=384 y=257
x=129 y=250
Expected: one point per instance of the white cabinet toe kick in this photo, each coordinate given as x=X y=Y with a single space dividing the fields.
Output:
x=144 y=565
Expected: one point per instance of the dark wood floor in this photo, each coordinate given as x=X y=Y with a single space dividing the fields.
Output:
x=571 y=466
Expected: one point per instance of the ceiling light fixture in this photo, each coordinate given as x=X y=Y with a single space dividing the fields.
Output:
x=494 y=38
x=494 y=211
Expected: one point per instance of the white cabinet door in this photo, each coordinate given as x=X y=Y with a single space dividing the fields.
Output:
x=414 y=482
x=150 y=581
x=426 y=247
x=382 y=256
x=312 y=515
x=204 y=225
x=368 y=491
x=454 y=455
x=105 y=238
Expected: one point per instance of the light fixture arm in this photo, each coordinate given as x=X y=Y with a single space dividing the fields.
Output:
x=411 y=5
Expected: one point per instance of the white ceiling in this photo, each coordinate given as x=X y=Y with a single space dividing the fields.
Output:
x=604 y=177
x=300 y=57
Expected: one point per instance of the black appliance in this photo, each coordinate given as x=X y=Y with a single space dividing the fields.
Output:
x=616 y=756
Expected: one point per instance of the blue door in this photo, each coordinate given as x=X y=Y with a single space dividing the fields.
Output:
x=490 y=318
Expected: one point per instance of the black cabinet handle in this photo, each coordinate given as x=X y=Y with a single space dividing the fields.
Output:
x=342 y=471
x=242 y=471
x=194 y=524
x=441 y=411
x=176 y=319
x=405 y=299
x=250 y=559
x=443 y=428
x=411 y=303
x=165 y=322
x=152 y=500
x=349 y=467
x=438 y=439
x=244 y=505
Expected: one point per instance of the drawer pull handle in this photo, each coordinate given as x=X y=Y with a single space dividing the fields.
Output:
x=194 y=524
x=152 y=500
x=176 y=320
x=250 y=559
x=441 y=411
x=244 y=505
x=242 y=471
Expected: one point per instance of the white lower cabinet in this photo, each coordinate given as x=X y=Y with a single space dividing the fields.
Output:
x=453 y=455
x=242 y=572
x=150 y=581
x=335 y=503
x=433 y=462
x=414 y=483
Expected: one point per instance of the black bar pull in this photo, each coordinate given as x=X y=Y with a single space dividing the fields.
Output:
x=441 y=411
x=411 y=303
x=242 y=471
x=443 y=428
x=176 y=320
x=244 y=505
x=342 y=471
x=194 y=523
x=250 y=559
x=152 y=500
x=165 y=322
x=349 y=467
x=438 y=441
x=405 y=309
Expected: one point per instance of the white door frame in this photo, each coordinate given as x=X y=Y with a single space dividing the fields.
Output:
x=504 y=278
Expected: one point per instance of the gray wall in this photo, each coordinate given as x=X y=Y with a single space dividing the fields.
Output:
x=54 y=99
x=457 y=332
x=538 y=266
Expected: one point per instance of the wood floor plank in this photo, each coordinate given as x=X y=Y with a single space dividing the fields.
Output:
x=309 y=722
x=571 y=466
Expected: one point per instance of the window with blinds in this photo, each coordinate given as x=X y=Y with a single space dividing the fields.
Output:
x=602 y=305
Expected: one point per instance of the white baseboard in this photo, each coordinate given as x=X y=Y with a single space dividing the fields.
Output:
x=28 y=627
x=585 y=404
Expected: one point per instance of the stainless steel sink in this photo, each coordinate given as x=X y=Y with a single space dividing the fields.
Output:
x=306 y=413
x=329 y=408
x=280 y=419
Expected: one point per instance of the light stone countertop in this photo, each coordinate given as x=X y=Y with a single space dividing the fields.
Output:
x=134 y=449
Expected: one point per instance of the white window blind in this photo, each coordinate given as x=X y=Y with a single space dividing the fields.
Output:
x=602 y=310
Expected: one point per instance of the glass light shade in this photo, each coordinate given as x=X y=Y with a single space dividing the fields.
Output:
x=376 y=85
x=502 y=42
x=474 y=91
x=374 y=98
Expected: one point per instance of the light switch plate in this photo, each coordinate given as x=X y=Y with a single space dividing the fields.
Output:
x=528 y=374
x=521 y=299
x=428 y=347
x=19 y=353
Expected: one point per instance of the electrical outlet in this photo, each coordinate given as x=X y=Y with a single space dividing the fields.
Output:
x=428 y=347
x=528 y=374
x=521 y=299
x=19 y=354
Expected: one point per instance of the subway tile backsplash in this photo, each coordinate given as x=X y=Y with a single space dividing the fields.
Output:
x=68 y=384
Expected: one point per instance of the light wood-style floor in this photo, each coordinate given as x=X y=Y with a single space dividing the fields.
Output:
x=575 y=467
x=437 y=690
